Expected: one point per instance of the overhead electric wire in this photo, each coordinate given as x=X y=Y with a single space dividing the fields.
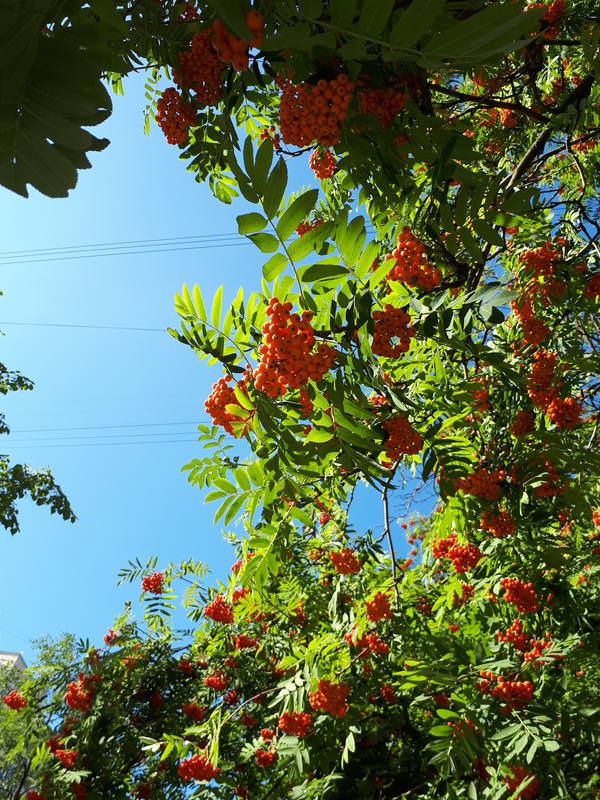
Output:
x=101 y=427
x=105 y=444
x=99 y=436
x=83 y=325
x=129 y=247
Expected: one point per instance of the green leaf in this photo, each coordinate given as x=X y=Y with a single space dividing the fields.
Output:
x=374 y=16
x=266 y=242
x=274 y=267
x=215 y=312
x=323 y=272
x=275 y=188
x=250 y=223
x=298 y=211
x=199 y=303
x=319 y=435
x=233 y=14
x=415 y=21
x=262 y=165
x=441 y=730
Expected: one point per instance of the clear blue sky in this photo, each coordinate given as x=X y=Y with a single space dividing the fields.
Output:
x=131 y=499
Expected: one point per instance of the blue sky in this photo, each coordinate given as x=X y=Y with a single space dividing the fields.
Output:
x=131 y=499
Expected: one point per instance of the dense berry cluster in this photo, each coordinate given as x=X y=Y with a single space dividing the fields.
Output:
x=234 y=50
x=194 y=711
x=265 y=758
x=499 y=525
x=463 y=556
x=310 y=114
x=287 y=360
x=521 y=775
x=322 y=163
x=367 y=642
x=514 y=694
x=153 y=583
x=14 y=700
x=66 y=758
x=401 y=438
x=523 y=423
x=411 y=263
x=534 y=330
x=541 y=261
x=198 y=768
x=174 y=116
x=482 y=483
x=295 y=723
x=80 y=693
x=344 y=561
x=216 y=680
x=221 y=396
x=592 y=287
x=383 y=103
x=388 y=693
x=521 y=594
x=330 y=698
x=541 y=385
x=200 y=70
x=378 y=607
x=515 y=635
x=565 y=412
x=244 y=642
x=219 y=610
x=392 y=333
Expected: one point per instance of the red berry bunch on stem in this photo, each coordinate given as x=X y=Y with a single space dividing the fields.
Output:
x=295 y=723
x=330 y=698
x=393 y=332
x=219 y=610
x=322 y=163
x=197 y=768
x=287 y=357
x=153 y=583
x=401 y=438
x=310 y=113
x=412 y=266
x=200 y=70
x=174 y=116
x=521 y=594
x=344 y=561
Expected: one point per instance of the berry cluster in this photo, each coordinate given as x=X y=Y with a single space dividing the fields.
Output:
x=14 y=700
x=378 y=607
x=523 y=423
x=200 y=70
x=551 y=486
x=515 y=636
x=533 y=329
x=521 y=594
x=219 y=610
x=198 y=768
x=322 y=163
x=66 y=757
x=412 y=265
x=565 y=413
x=271 y=134
x=153 y=583
x=80 y=693
x=521 y=775
x=244 y=642
x=482 y=483
x=541 y=261
x=307 y=225
x=368 y=642
x=508 y=118
x=287 y=360
x=221 y=396
x=234 y=50
x=330 y=698
x=464 y=557
x=174 y=116
x=344 y=561
x=541 y=377
x=514 y=694
x=383 y=103
x=499 y=525
x=592 y=287
x=401 y=438
x=295 y=723
x=194 y=711
x=388 y=693
x=265 y=758
x=392 y=333
x=314 y=113
x=216 y=680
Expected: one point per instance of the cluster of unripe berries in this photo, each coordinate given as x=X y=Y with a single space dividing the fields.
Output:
x=287 y=358
x=309 y=114
x=411 y=263
x=400 y=438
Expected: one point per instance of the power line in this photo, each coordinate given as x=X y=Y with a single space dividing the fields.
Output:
x=74 y=325
x=98 y=436
x=100 y=427
x=108 y=444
